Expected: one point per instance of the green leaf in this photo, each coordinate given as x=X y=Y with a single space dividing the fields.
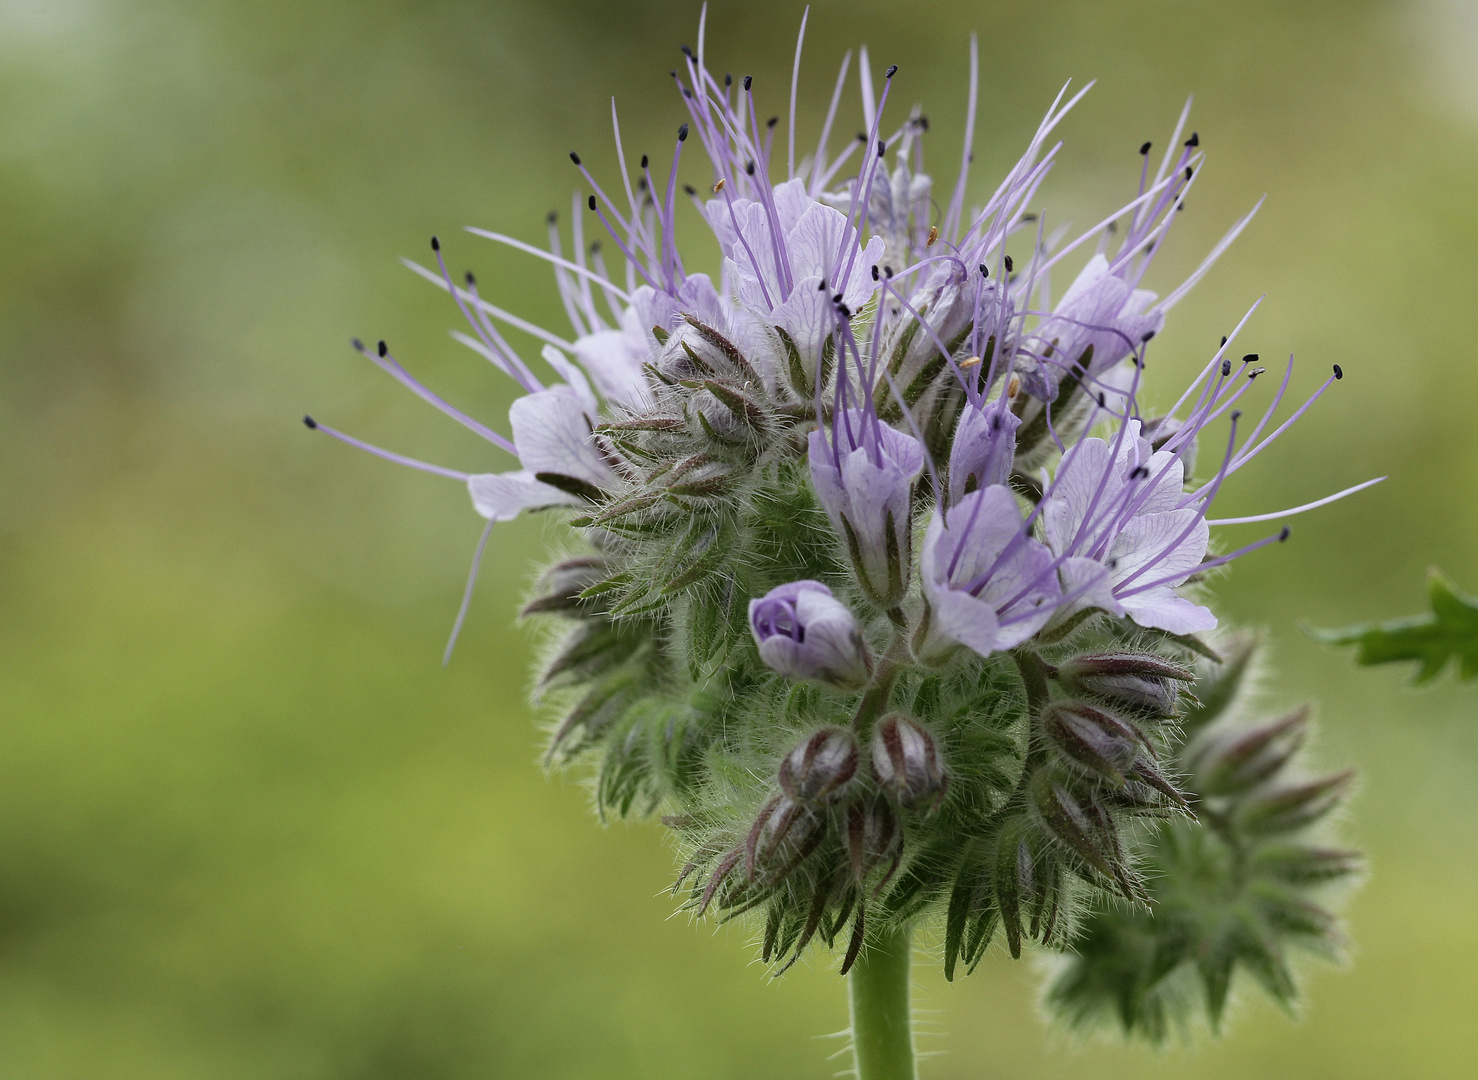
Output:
x=1450 y=631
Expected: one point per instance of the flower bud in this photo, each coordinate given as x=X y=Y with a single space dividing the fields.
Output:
x=906 y=763
x=560 y=586
x=1140 y=681
x=1285 y=809
x=784 y=832
x=1093 y=739
x=1238 y=761
x=818 y=769
x=873 y=838
x=806 y=633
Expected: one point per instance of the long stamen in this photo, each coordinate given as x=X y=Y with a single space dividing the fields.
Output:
x=388 y=364
x=388 y=455
x=818 y=165
x=1211 y=564
x=1298 y=509
x=446 y=657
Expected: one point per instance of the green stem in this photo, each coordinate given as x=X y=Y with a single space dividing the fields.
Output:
x=882 y=1026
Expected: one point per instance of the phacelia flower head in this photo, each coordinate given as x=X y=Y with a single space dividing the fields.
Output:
x=880 y=390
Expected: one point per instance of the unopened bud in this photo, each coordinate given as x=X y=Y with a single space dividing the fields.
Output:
x=873 y=839
x=1082 y=826
x=1238 y=761
x=1284 y=809
x=907 y=764
x=560 y=586
x=784 y=832
x=1093 y=739
x=806 y=633
x=821 y=767
x=1141 y=681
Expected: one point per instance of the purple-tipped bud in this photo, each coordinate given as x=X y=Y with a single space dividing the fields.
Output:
x=873 y=838
x=806 y=633
x=1284 y=809
x=1140 y=681
x=907 y=764
x=819 y=769
x=983 y=450
x=864 y=477
x=1096 y=740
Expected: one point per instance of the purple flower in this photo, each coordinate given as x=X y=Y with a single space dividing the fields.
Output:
x=987 y=583
x=864 y=478
x=1127 y=537
x=803 y=631
x=983 y=448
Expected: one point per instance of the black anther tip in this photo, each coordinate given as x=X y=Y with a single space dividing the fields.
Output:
x=310 y=423
x=435 y=244
x=728 y=79
x=1187 y=172
x=1283 y=535
x=1147 y=335
x=689 y=189
x=682 y=133
x=591 y=202
x=748 y=81
x=892 y=70
x=471 y=281
x=1144 y=149
x=551 y=217
x=1009 y=265
x=772 y=121
x=1194 y=140
x=875 y=274
x=1226 y=368
x=574 y=157
x=382 y=348
x=1250 y=358
x=984 y=270
x=357 y=344
x=1339 y=372
x=1236 y=415
x=644 y=161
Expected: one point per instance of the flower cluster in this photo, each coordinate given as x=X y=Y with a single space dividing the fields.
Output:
x=890 y=585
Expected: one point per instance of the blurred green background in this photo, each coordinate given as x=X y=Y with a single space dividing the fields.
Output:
x=249 y=827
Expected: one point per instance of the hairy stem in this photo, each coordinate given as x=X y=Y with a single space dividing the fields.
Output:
x=885 y=674
x=882 y=1026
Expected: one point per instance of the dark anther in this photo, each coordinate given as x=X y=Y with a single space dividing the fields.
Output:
x=356 y=344
x=1236 y=415
x=984 y=270
x=1009 y=265
x=837 y=299
x=688 y=52
x=1140 y=472
x=1250 y=358
x=311 y=423
x=882 y=148
x=591 y=203
x=892 y=70
x=749 y=167
x=1283 y=535
x=551 y=217
x=862 y=136
x=822 y=286
x=1180 y=206
x=382 y=348
x=682 y=133
x=1147 y=335
x=1145 y=149
x=574 y=157
x=641 y=183
x=644 y=161
x=1102 y=400
x=435 y=244
x=1187 y=172
x=923 y=122
x=1255 y=372
x=1226 y=368
x=845 y=310
x=887 y=271
x=1028 y=217
x=1194 y=140
x=874 y=271
x=728 y=79
x=471 y=281
x=595 y=247
x=748 y=81
x=772 y=121
x=690 y=189
x=1223 y=339
x=1339 y=372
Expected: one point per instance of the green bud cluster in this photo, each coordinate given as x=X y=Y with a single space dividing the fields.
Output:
x=1243 y=886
